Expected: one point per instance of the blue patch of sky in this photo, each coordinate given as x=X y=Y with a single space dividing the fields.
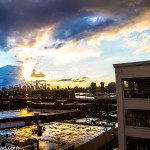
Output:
x=136 y=35
x=119 y=48
x=114 y=48
x=7 y=58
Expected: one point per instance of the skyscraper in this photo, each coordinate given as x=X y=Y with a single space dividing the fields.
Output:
x=37 y=84
x=93 y=87
x=102 y=87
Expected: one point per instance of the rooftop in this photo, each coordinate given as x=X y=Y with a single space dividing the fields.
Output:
x=130 y=64
x=55 y=133
x=29 y=112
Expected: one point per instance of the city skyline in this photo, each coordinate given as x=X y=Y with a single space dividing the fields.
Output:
x=40 y=85
x=71 y=42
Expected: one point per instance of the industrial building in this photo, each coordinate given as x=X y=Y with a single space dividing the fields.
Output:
x=133 y=105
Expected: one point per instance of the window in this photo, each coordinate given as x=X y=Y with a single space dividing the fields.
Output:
x=137 y=88
x=139 y=118
x=134 y=143
x=130 y=118
x=141 y=148
x=147 y=116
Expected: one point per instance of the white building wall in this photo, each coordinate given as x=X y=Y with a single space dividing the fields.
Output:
x=130 y=70
x=138 y=132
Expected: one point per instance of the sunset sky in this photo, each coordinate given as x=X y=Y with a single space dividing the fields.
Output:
x=71 y=42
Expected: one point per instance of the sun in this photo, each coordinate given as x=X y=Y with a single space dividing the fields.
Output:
x=28 y=62
x=27 y=70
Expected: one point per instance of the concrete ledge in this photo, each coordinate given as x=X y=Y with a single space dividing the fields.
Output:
x=99 y=141
x=138 y=132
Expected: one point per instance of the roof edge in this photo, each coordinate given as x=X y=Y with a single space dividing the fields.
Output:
x=130 y=64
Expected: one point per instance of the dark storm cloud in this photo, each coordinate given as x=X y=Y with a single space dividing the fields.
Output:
x=9 y=75
x=81 y=27
x=69 y=17
x=4 y=45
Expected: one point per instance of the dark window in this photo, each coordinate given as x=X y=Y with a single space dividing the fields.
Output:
x=147 y=116
x=134 y=143
x=137 y=88
x=130 y=118
x=139 y=118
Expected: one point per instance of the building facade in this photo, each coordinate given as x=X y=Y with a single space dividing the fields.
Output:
x=112 y=87
x=133 y=105
x=102 y=84
x=93 y=87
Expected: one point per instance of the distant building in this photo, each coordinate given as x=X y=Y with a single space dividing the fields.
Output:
x=10 y=88
x=62 y=93
x=45 y=87
x=112 y=87
x=4 y=89
x=133 y=105
x=106 y=89
x=28 y=87
x=102 y=84
x=32 y=88
x=19 y=86
x=36 y=84
x=16 y=87
x=93 y=87
x=24 y=87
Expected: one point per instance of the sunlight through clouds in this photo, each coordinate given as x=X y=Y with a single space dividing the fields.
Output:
x=75 y=40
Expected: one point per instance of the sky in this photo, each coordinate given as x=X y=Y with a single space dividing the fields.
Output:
x=71 y=42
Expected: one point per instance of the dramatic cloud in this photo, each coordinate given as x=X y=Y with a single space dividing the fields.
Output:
x=81 y=27
x=34 y=74
x=60 y=34
x=70 y=19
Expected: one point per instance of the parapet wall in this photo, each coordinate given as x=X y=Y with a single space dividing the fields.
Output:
x=100 y=140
